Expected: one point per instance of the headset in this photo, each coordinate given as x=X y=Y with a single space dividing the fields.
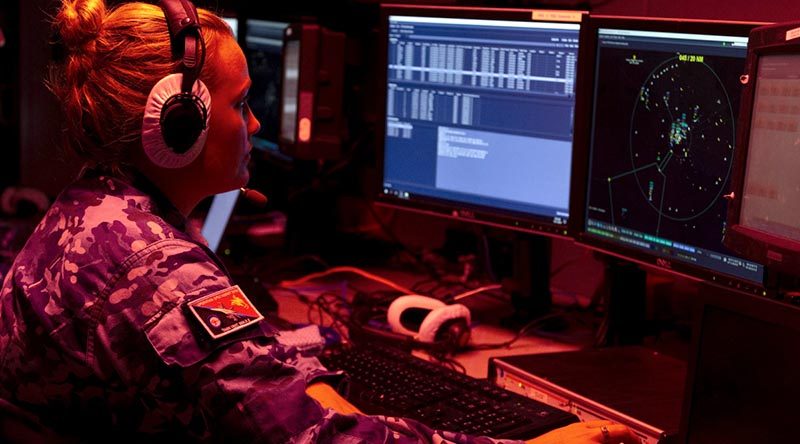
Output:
x=175 y=123
x=419 y=322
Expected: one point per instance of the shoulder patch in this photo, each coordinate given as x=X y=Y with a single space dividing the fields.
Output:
x=224 y=312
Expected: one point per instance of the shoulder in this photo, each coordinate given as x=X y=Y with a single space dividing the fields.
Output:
x=111 y=214
x=99 y=230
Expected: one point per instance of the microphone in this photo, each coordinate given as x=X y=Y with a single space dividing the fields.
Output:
x=254 y=197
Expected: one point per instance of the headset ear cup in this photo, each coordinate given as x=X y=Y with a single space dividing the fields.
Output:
x=453 y=334
x=183 y=119
x=175 y=124
x=434 y=321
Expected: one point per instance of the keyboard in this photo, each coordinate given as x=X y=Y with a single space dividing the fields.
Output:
x=391 y=382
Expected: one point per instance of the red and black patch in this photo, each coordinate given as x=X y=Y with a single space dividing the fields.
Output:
x=224 y=312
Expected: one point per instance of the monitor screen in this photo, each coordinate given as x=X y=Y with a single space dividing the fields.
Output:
x=233 y=22
x=771 y=196
x=217 y=218
x=665 y=104
x=763 y=210
x=479 y=116
x=263 y=47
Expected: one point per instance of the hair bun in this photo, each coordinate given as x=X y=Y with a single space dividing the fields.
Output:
x=79 y=22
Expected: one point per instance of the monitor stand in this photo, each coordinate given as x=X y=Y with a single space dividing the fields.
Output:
x=521 y=263
x=626 y=304
x=530 y=278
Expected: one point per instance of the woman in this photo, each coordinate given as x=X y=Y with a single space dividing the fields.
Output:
x=102 y=332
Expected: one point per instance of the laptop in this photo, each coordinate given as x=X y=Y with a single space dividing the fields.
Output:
x=742 y=385
x=217 y=218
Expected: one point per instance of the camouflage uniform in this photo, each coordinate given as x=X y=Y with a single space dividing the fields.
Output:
x=95 y=341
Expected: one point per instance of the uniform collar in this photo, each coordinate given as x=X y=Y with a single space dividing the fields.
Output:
x=132 y=183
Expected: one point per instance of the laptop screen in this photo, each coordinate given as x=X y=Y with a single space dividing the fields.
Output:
x=743 y=384
x=217 y=219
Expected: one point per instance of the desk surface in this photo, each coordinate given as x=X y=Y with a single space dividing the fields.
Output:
x=475 y=362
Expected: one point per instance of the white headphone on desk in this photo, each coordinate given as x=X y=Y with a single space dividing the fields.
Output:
x=430 y=320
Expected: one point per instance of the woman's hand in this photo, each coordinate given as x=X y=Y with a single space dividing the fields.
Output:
x=591 y=432
x=330 y=398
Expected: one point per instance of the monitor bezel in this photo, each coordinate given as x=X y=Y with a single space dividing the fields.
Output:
x=581 y=154
x=462 y=211
x=779 y=254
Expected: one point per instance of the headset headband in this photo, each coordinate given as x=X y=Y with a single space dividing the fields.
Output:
x=184 y=29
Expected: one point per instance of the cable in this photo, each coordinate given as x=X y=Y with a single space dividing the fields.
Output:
x=442 y=358
x=487 y=255
x=525 y=329
x=354 y=270
x=467 y=294
x=336 y=308
x=447 y=284
x=424 y=266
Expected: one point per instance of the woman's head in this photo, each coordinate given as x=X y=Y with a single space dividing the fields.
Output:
x=224 y=159
x=113 y=59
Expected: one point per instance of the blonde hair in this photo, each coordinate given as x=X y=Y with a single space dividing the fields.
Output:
x=113 y=59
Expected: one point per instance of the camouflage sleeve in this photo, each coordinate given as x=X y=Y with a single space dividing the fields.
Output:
x=245 y=387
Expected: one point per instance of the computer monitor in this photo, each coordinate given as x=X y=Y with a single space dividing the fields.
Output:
x=659 y=155
x=263 y=47
x=216 y=221
x=297 y=70
x=765 y=210
x=741 y=386
x=312 y=114
x=479 y=114
x=233 y=22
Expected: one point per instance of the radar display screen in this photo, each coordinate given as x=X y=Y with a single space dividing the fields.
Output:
x=663 y=133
